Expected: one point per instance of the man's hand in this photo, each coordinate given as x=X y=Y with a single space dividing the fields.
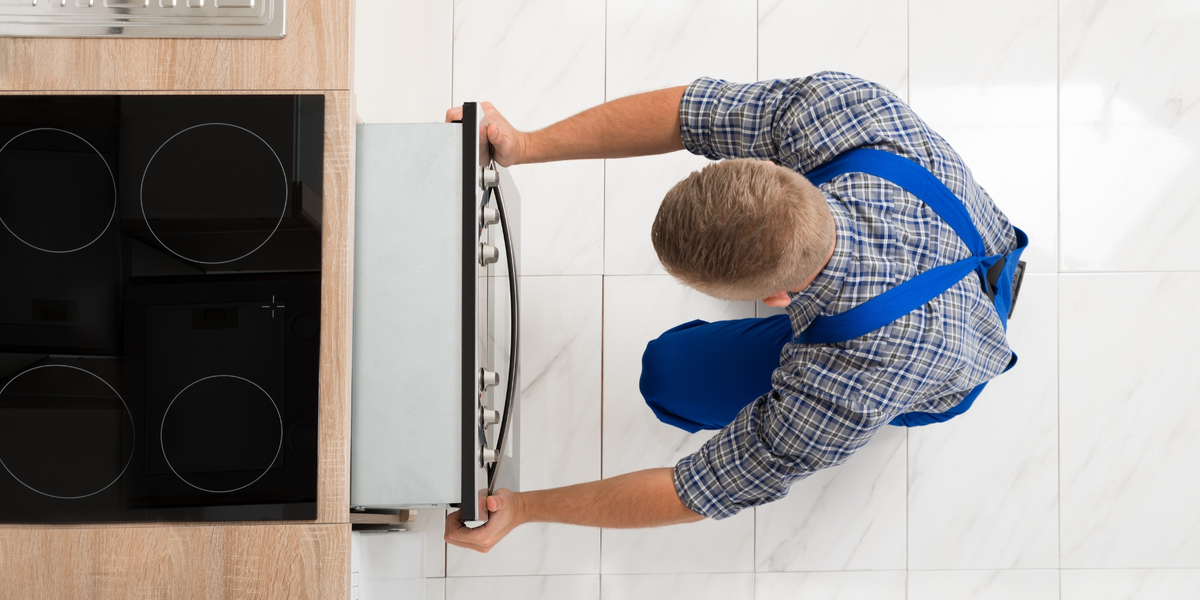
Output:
x=639 y=499
x=505 y=514
x=508 y=144
x=637 y=125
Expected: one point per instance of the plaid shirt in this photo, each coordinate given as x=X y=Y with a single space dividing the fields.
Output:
x=828 y=400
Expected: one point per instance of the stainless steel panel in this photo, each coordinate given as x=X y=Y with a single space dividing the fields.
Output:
x=143 y=18
x=408 y=386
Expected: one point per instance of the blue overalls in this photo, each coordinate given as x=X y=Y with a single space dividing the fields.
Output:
x=700 y=375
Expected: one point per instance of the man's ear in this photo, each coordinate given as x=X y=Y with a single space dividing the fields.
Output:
x=778 y=300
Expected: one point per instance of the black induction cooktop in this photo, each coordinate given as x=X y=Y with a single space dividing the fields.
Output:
x=160 y=275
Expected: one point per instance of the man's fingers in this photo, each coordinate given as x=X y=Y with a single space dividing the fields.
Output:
x=454 y=114
x=454 y=522
x=495 y=503
x=480 y=539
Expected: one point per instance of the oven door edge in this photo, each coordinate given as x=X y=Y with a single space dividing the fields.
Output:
x=475 y=319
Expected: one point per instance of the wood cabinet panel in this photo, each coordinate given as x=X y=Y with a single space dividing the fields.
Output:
x=337 y=303
x=314 y=55
x=267 y=561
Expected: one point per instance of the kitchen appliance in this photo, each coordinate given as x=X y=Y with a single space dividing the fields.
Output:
x=160 y=305
x=143 y=18
x=434 y=397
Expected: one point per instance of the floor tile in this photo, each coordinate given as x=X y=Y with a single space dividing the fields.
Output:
x=559 y=425
x=562 y=217
x=716 y=586
x=983 y=487
x=1129 y=346
x=843 y=585
x=532 y=549
x=633 y=190
x=435 y=588
x=1130 y=584
x=653 y=45
x=1130 y=138
x=415 y=89
x=553 y=587
x=387 y=565
x=433 y=523
x=985 y=77
x=638 y=309
x=709 y=546
x=540 y=62
x=796 y=38
x=850 y=517
x=983 y=585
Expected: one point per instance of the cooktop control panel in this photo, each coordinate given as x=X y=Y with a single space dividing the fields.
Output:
x=143 y=18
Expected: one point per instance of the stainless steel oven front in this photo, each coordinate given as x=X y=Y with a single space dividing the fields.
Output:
x=431 y=347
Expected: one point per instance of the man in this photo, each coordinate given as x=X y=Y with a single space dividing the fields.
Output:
x=896 y=274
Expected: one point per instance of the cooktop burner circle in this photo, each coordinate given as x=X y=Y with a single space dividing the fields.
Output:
x=221 y=413
x=43 y=421
x=226 y=185
x=54 y=193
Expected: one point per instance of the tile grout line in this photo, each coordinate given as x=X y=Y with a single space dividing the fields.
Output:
x=603 y=312
x=600 y=566
x=1057 y=280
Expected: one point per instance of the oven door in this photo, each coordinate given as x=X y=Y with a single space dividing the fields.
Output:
x=428 y=371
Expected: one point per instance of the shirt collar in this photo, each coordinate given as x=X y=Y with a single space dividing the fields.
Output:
x=810 y=303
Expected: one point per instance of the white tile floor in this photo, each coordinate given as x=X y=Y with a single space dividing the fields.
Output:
x=1075 y=477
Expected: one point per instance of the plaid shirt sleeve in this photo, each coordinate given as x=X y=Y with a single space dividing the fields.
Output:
x=813 y=419
x=829 y=400
x=799 y=123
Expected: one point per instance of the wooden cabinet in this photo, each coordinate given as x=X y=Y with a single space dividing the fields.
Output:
x=204 y=560
x=191 y=562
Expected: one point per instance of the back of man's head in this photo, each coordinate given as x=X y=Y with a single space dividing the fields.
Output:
x=743 y=230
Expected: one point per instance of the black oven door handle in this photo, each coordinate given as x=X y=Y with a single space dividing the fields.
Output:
x=514 y=339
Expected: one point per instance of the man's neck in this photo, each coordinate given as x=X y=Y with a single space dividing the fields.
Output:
x=813 y=277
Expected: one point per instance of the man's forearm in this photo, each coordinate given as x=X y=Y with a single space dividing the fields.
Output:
x=636 y=125
x=639 y=499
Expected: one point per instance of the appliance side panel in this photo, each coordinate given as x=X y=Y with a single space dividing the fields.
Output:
x=407 y=386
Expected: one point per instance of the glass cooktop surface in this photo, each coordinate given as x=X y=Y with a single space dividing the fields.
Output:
x=160 y=274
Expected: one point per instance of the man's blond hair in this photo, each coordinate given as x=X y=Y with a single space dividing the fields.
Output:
x=743 y=229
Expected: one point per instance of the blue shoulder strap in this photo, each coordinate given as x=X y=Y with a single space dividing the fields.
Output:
x=914 y=293
x=912 y=177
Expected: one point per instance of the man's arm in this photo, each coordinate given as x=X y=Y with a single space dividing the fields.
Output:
x=636 y=125
x=640 y=499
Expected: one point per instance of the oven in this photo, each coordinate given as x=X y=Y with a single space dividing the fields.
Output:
x=435 y=400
